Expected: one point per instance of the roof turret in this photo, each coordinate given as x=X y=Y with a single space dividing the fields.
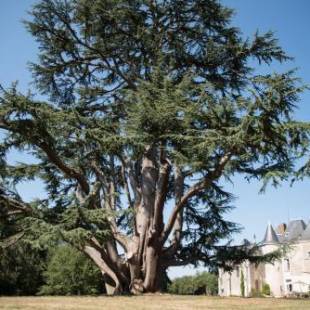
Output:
x=270 y=235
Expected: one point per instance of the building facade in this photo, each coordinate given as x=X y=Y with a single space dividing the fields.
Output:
x=287 y=276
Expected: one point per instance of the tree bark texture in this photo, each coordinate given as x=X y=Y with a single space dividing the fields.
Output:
x=151 y=248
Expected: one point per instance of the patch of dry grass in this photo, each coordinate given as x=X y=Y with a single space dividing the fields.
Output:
x=153 y=302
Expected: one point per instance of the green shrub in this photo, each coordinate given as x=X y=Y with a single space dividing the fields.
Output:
x=201 y=283
x=70 y=272
x=266 y=289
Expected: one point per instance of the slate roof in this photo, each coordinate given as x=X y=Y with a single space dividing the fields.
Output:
x=294 y=229
x=281 y=238
x=306 y=233
x=270 y=236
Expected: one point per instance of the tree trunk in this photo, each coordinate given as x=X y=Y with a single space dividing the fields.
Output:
x=151 y=273
x=143 y=271
x=111 y=279
x=109 y=285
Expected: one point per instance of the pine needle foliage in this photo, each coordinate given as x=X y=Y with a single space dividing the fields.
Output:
x=150 y=106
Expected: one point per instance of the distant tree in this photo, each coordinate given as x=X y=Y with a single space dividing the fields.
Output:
x=70 y=272
x=208 y=281
x=151 y=106
x=21 y=269
x=183 y=286
x=201 y=283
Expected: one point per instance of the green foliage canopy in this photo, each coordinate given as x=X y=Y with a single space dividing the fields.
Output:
x=150 y=104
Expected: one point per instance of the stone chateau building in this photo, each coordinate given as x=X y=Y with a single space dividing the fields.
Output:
x=288 y=276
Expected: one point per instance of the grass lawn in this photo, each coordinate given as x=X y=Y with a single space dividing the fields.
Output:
x=160 y=302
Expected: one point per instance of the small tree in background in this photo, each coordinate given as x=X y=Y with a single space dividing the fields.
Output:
x=21 y=269
x=70 y=272
x=201 y=283
x=21 y=264
x=208 y=281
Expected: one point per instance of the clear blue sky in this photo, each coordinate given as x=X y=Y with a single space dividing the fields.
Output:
x=290 y=21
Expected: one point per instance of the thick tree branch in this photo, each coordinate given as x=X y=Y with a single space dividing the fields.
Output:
x=161 y=194
x=28 y=128
x=126 y=185
x=96 y=256
x=103 y=57
x=12 y=240
x=14 y=205
x=134 y=183
x=194 y=190
x=69 y=171
x=178 y=225
x=109 y=204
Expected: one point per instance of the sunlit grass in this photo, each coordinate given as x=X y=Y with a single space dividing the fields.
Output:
x=160 y=302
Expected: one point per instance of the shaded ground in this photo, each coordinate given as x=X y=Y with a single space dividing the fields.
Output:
x=156 y=302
